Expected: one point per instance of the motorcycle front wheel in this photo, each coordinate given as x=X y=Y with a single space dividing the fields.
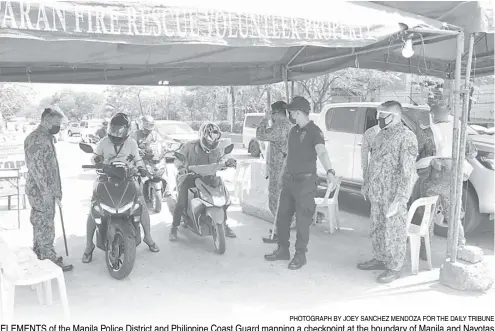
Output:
x=156 y=201
x=219 y=238
x=120 y=255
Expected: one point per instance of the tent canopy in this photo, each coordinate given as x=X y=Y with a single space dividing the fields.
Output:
x=438 y=58
x=186 y=43
x=189 y=42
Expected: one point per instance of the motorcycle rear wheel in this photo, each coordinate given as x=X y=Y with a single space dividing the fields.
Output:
x=126 y=246
x=219 y=238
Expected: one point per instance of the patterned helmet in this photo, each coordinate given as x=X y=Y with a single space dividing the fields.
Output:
x=209 y=136
x=119 y=128
x=147 y=123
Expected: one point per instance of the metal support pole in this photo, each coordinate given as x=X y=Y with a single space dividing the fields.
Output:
x=286 y=74
x=462 y=151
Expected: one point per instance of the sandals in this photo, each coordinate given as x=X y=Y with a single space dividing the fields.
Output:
x=153 y=247
x=87 y=257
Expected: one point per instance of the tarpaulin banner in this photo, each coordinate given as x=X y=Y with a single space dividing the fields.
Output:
x=135 y=23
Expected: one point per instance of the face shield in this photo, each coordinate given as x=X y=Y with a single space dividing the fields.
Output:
x=148 y=126
x=118 y=131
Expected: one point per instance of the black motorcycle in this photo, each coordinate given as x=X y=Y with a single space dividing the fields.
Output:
x=116 y=210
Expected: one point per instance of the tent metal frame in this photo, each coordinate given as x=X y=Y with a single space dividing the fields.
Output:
x=460 y=111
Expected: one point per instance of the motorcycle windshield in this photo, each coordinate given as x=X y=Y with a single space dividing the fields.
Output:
x=210 y=186
x=207 y=169
x=116 y=193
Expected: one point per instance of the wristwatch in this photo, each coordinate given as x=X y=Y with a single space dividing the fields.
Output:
x=331 y=171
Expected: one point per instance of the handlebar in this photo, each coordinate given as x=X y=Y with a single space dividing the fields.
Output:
x=90 y=167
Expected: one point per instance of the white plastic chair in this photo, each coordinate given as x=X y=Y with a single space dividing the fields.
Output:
x=21 y=267
x=416 y=232
x=329 y=206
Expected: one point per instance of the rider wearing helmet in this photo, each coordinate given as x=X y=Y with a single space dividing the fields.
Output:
x=116 y=147
x=146 y=133
x=102 y=131
x=197 y=152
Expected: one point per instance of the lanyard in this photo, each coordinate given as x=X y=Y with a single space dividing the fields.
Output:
x=117 y=152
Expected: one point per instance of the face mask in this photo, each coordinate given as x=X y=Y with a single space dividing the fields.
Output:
x=55 y=129
x=146 y=132
x=382 y=122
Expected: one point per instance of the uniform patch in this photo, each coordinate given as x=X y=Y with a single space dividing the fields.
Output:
x=303 y=134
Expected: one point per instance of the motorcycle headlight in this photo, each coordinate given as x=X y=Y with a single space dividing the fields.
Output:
x=132 y=206
x=108 y=208
x=218 y=201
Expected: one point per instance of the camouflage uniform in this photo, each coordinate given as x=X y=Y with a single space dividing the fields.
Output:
x=43 y=179
x=440 y=185
x=277 y=150
x=368 y=138
x=391 y=175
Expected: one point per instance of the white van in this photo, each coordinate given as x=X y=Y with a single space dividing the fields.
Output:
x=251 y=122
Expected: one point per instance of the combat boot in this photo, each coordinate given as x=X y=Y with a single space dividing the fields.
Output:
x=280 y=254
x=388 y=276
x=298 y=261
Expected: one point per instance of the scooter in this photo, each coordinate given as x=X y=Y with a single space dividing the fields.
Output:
x=208 y=201
x=116 y=211
x=154 y=185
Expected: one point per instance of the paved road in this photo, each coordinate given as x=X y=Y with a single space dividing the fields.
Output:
x=187 y=282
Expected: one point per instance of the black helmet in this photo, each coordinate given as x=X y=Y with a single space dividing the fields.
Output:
x=119 y=128
x=209 y=136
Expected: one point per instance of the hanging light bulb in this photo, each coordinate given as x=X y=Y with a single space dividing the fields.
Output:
x=407 y=50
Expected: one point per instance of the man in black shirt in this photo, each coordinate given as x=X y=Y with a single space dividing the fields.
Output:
x=299 y=183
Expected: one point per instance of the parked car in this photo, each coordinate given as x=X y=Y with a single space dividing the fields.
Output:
x=180 y=132
x=344 y=124
x=249 y=141
x=83 y=127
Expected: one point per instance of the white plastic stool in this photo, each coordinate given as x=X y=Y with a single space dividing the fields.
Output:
x=329 y=206
x=19 y=267
x=416 y=232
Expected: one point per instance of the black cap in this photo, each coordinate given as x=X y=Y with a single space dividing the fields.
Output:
x=299 y=103
x=279 y=107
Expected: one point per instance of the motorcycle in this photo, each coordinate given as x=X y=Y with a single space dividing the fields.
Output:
x=116 y=211
x=154 y=185
x=207 y=202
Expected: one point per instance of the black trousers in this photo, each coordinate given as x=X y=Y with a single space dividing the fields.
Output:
x=297 y=196
x=182 y=199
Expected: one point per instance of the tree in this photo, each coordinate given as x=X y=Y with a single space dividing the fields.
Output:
x=76 y=105
x=15 y=98
x=350 y=81
x=132 y=100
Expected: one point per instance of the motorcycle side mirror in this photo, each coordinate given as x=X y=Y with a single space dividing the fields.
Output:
x=86 y=148
x=180 y=157
x=229 y=149
x=148 y=157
